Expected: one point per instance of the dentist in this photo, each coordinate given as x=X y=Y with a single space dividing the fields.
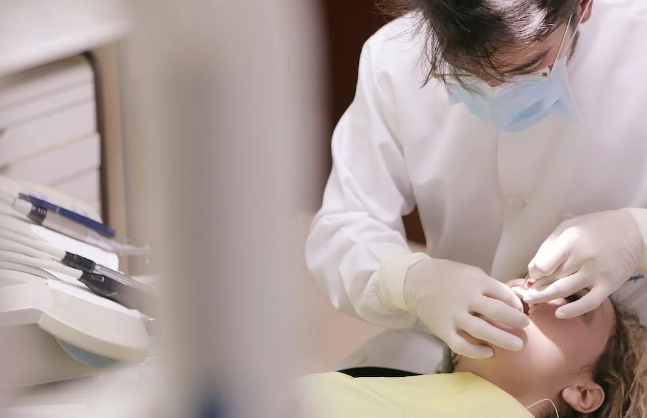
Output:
x=504 y=122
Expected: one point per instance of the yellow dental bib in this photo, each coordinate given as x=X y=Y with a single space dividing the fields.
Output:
x=451 y=395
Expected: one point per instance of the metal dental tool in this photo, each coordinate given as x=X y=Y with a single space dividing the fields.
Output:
x=101 y=280
x=70 y=226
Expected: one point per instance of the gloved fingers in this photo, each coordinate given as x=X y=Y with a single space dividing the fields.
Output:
x=544 y=282
x=483 y=330
x=545 y=246
x=503 y=293
x=561 y=288
x=552 y=254
x=541 y=284
x=461 y=346
x=498 y=311
x=571 y=265
x=587 y=303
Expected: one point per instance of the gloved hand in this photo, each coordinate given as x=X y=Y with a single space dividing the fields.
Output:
x=447 y=297
x=596 y=252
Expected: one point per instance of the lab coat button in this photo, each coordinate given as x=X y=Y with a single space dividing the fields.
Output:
x=515 y=204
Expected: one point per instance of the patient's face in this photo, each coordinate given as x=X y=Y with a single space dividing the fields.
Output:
x=554 y=350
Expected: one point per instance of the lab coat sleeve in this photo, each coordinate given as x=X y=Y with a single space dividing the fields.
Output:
x=368 y=191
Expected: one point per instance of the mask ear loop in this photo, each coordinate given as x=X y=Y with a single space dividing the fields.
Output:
x=577 y=28
x=568 y=46
x=564 y=46
x=543 y=400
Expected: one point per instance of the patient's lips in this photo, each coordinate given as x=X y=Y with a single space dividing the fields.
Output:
x=526 y=307
x=518 y=291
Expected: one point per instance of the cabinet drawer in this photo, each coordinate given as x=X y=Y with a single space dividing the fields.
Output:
x=43 y=81
x=22 y=113
x=22 y=141
x=85 y=187
x=59 y=164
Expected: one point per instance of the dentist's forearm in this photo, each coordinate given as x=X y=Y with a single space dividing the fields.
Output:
x=392 y=273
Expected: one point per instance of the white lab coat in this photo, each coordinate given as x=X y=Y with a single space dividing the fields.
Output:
x=486 y=197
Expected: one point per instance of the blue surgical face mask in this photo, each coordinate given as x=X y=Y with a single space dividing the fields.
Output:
x=520 y=102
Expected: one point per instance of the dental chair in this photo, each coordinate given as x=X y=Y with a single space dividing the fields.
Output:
x=52 y=327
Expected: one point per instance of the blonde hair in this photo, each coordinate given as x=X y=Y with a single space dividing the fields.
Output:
x=621 y=369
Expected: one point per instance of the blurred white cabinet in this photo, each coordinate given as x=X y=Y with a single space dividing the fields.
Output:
x=48 y=128
x=54 y=130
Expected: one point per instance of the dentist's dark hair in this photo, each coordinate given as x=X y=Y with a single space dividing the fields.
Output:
x=469 y=35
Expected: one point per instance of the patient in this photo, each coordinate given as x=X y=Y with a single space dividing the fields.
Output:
x=591 y=366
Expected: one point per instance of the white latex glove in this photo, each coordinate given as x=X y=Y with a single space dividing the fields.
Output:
x=596 y=252
x=447 y=297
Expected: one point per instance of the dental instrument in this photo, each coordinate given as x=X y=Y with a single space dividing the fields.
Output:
x=99 y=227
x=69 y=227
x=60 y=322
x=139 y=297
x=99 y=279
